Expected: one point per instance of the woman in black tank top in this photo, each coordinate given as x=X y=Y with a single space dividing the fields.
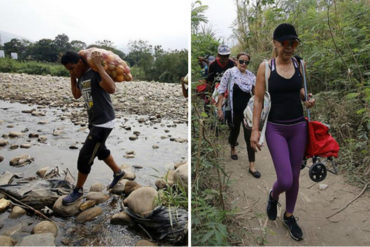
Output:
x=286 y=130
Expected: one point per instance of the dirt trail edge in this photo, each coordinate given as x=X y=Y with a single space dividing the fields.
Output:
x=248 y=196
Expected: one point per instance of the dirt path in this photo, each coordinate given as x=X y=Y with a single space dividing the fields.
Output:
x=249 y=196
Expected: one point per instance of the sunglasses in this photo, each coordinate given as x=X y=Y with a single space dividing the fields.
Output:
x=291 y=42
x=246 y=62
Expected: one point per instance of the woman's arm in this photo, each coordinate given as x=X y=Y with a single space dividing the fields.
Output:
x=257 y=109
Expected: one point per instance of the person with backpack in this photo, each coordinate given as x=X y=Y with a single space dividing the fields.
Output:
x=286 y=131
x=95 y=88
x=239 y=82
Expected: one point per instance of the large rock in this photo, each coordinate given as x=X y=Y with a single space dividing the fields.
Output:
x=129 y=174
x=181 y=176
x=89 y=214
x=142 y=201
x=43 y=239
x=13 y=230
x=6 y=241
x=121 y=218
x=48 y=172
x=45 y=227
x=4 y=204
x=99 y=197
x=66 y=211
x=17 y=212
x=177 y=165
x=21 y=160
x=130 y=186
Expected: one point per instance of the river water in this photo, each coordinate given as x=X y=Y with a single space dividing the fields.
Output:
x=169 y=135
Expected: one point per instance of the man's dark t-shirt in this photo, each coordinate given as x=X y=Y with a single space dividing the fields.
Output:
x=97 y=100
x=216 y=71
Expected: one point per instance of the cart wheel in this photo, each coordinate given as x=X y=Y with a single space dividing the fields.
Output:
x=303 y=164
x=317 y=172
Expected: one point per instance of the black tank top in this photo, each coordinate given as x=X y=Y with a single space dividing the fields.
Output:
x=240 y=99
x=286 y=104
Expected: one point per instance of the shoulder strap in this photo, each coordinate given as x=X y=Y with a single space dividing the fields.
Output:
x=266 y=72
x=305 y=87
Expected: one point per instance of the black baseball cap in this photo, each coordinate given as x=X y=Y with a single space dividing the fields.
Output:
x=285 y=31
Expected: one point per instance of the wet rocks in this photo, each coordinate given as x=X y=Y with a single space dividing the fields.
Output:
x=66 y=211
x=45 y=227
x=17 y=212
x=14 y=146
x=142 y=200
x=181 y=176
x=21 y=160
x=33 y=135
x=15 y=134
x=119 y=188
x=6 y=241
x=3 y=142
x=121 y=218
x=155 y=146
x=26 y=145
x=87 y=204
x=89 y=214
x=48 y=172
x=42 y=139
x=43 y=239
x=4 y=204
x=130 y=186
x=1 y=158
x=133 y=138
x=99 y=197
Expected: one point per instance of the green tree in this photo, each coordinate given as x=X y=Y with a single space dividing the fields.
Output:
x=18 y=46
x=197 y=15
x=44 y=50
x=77 y=45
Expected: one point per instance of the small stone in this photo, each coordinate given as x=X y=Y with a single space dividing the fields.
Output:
x=127 y=127
x=73 y=147
x=137 y=167
x=4 y=204
x=132 y=138
x=160 y=184
x=89 y=214
x=166 y=131
x=25 y=145
x=3 y=142
x=33 y=135
x=15 y=134
x=121 y=218
x=14 y=146
x=155 y=146
x=21 y=160
x=43 y=239
x=130 y=152
x=137 y=133
x=323 y=186
x=10 y=126
x=42 y=139
x=42 y=122
x=6 y=241
x=87 y=204
x=17 y=212
x=45 y=227
x=66 y=211
x=1 y=158
x=57 y=132
x=129 y=156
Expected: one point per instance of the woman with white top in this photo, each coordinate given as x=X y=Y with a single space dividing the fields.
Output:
x=239 y=82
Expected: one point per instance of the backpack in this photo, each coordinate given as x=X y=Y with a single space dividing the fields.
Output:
x=248 y=111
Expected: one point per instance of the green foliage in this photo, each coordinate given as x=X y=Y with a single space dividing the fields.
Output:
x=32 y=67
x=197 y=15
x=201 y=45
x=209 y=216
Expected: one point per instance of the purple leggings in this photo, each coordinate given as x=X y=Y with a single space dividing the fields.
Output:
x=287 y=145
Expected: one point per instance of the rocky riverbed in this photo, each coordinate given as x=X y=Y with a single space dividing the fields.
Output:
x=42 y=126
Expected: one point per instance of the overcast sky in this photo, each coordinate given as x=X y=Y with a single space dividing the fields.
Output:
x=161 y=22
x=221 y=14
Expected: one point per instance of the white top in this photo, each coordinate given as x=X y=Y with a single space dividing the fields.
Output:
x=108 y=125
x=232 y=76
